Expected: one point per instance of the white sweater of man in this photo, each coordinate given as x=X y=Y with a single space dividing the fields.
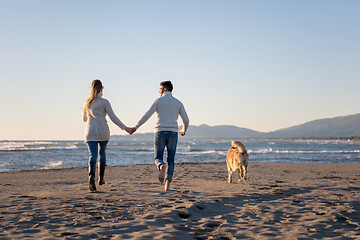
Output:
x=168 y=109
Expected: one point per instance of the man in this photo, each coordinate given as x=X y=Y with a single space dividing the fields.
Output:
x=168 y=110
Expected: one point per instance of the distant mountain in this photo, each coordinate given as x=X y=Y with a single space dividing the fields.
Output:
x=206 y=131
x=346 y=126
x=224 y=131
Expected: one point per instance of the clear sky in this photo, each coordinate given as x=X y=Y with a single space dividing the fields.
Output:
x=262 y=65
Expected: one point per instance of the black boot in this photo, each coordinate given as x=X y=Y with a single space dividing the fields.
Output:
x=92 y=169
x=101 y=173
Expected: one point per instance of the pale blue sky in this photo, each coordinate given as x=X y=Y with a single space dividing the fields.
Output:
x=262 y=65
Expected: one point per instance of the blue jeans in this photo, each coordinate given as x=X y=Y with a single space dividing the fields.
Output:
x=169 y=140
x=93 y=151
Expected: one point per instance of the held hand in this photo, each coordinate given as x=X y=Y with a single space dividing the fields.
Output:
x=182 y=133
x=133 y=130
x=129 y=130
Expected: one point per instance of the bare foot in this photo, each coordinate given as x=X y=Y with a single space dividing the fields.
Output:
x=167 y=186
x=162 y=173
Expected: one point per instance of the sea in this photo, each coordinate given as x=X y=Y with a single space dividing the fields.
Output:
x=37 y=155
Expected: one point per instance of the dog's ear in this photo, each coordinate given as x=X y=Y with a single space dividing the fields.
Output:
x=238 y=151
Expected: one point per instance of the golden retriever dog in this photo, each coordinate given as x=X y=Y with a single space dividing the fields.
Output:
x=237 y=160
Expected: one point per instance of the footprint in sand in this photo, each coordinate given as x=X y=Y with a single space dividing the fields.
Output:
x=65 y=234
x=212 y=224
x=184 y=214
x=199 y=206
x=166 y=206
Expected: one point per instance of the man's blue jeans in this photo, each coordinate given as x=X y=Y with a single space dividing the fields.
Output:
x=94 y=150
x=169 y=140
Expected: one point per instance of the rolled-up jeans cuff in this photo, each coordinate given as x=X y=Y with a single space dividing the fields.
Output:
x=169 y=178
x=158 y=163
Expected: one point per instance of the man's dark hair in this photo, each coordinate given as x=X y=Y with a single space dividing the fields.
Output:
x=168 y=85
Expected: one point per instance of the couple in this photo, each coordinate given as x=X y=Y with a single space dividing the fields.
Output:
x=97 y=133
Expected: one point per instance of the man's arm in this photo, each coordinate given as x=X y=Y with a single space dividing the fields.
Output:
x=147 y=115
x=185 y=119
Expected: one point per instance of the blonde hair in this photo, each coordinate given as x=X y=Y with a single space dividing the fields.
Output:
x=95 y=89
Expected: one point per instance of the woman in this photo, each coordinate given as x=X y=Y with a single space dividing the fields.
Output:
x=97 y=133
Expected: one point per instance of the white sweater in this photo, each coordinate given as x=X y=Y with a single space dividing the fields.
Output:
x=168 y=110
x=97 y=128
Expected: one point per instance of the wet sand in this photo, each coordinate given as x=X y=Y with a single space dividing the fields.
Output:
x=279 y=201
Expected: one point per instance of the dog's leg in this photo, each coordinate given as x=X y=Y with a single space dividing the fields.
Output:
x=239 y=174
x=230 y=176
x=229 y=171
x=244 y=170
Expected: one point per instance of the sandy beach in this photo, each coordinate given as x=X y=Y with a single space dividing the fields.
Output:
x=279 y=201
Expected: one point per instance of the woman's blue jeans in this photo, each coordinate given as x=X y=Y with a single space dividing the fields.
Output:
x=169 y=140
x=97 y=148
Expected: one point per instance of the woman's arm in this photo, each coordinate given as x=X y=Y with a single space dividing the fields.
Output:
x=112 y=115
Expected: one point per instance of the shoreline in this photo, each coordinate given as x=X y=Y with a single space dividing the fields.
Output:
x=279 y=201
x=146 y=164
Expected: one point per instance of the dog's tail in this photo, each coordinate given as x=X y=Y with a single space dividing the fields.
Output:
x=239 y=145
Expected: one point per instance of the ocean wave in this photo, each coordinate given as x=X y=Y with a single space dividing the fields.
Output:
x=6 y=145
x=11 y=145
x=136 y=150
x=54 y=165
x=317 y=141
x=210 y=152
x=263 y=150
x=190 y=149
x=44 y=143
x=33 y=147
x=270 y=150
x=6 y=164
